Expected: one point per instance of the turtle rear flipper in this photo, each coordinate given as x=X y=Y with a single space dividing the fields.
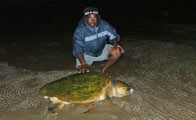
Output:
x=53 y=108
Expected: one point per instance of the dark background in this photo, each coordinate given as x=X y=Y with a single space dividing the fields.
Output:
x=63 y=15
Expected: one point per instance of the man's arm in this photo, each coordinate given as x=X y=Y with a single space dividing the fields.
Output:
x=81 y=58
x=114 y=37
x=78 y=49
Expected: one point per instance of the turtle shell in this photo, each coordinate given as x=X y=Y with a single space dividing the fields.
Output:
x=77 y=87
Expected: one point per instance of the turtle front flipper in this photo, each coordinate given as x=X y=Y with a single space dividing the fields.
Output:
x=91 y=107
x=54 y=107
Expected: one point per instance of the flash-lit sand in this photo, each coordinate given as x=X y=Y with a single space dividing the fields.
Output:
x=162 y=70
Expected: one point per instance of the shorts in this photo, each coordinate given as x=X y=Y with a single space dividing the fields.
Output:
x=90 y=59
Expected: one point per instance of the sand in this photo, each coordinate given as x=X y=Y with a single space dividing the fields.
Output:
x=161 y=68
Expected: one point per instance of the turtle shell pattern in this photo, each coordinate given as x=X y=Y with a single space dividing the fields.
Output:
x=77 y=87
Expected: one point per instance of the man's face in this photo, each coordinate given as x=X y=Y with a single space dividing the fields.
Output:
x=91 y=20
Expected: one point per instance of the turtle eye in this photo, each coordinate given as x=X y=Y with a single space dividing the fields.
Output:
x=130 y=90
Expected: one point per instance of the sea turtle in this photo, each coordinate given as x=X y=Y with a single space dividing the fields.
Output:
x=84 y=88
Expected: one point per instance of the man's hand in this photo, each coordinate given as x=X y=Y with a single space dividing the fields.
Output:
x=121 y=49
x=84 y=68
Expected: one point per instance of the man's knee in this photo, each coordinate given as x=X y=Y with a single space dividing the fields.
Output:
x=114 y=53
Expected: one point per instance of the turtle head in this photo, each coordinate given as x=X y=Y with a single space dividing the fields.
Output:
x=122 y=89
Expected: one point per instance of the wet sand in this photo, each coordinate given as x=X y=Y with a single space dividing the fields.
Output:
x=161 y=68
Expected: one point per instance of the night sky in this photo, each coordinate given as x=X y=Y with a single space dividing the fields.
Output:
x=23 y=15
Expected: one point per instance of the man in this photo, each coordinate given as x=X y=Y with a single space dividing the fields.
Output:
x=90 y=42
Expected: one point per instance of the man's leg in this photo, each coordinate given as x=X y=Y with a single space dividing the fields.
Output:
x=113 y=55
